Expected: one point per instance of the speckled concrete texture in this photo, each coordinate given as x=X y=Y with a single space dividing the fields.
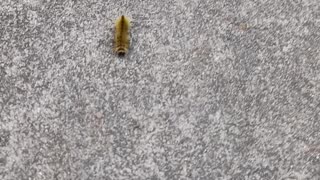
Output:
x=211 y=89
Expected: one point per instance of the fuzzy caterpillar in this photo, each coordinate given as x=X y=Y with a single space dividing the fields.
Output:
x=121 y=38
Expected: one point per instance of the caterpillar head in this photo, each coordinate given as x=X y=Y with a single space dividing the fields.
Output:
x=121 y=51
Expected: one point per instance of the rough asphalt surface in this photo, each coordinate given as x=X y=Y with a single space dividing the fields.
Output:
x=211 y=89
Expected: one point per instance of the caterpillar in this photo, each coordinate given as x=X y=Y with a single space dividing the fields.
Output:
x=121 y=38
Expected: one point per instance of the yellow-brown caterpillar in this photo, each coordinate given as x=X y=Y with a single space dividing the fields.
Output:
x=121 y=38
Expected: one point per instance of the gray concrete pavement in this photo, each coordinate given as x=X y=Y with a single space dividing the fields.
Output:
x=211 y=89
